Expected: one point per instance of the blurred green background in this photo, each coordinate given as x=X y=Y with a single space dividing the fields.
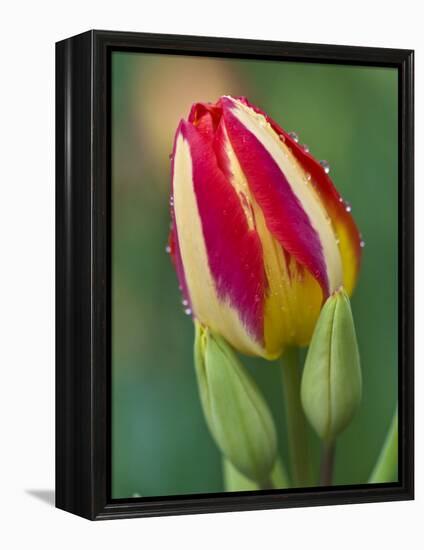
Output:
x=348 y=116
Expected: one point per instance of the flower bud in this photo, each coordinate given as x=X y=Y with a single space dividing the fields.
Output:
x=332 y=382
x=236 y=413
x=260 y=236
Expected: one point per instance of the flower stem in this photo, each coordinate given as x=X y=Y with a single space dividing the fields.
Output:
x=296 y=420
x=235 y=481
x=266 y=484
x=327 y=464
x=386 y=467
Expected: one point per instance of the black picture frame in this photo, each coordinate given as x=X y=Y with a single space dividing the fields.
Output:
x=83 y=233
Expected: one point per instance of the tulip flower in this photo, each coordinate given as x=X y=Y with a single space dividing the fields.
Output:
x=260 y=237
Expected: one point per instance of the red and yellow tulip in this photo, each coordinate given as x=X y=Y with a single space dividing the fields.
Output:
x=260 y=236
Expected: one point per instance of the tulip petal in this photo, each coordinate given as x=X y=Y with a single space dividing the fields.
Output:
x=343 y=222
x=344 y=225
x=292 y=211
x=293 y=297
x=222 y=257
x=173 y=242
x=205 y=117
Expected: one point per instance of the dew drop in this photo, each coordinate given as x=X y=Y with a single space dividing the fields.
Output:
x=305 y=148
x=171 y=200
x=340 y=199
x=294 y=136
x=281 y=136
x=187 y=311
x=168 y=249
x=308 y=176
x=348 y=207
x=362 y=243
x=184 y=302
x=325 y=165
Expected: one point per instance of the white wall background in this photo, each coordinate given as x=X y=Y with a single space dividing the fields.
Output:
x=29 y=30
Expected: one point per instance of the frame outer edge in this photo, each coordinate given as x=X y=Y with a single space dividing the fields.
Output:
x=82 y=260
x=74 y=415
x=406 y=294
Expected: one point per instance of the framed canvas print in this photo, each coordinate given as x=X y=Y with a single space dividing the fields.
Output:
x=234 y=274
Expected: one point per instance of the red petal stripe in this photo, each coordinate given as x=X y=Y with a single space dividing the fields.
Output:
x=284 y=214
x=332 y=200
x=234 y=251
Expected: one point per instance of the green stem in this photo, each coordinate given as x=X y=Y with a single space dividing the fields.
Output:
x=235 y=481
x=266 y=485
x=386 y=467
x=296 y=420
x=327 y=464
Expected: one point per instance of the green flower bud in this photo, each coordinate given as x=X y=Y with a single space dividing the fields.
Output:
x=332 y=382
x=236 y=413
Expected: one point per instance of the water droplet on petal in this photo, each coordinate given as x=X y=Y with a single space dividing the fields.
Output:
x=168 y=249
x=362 y=243
x=308 y=176
x=184 y=302
x=171 y=200
x=281 y=136
x=348 y=207
x=325 y=165
x=305 y=148
x=294 y=136
x=340 y=199
x=187 y=311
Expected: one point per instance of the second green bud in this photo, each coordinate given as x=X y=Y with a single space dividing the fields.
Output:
x=332 y=383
